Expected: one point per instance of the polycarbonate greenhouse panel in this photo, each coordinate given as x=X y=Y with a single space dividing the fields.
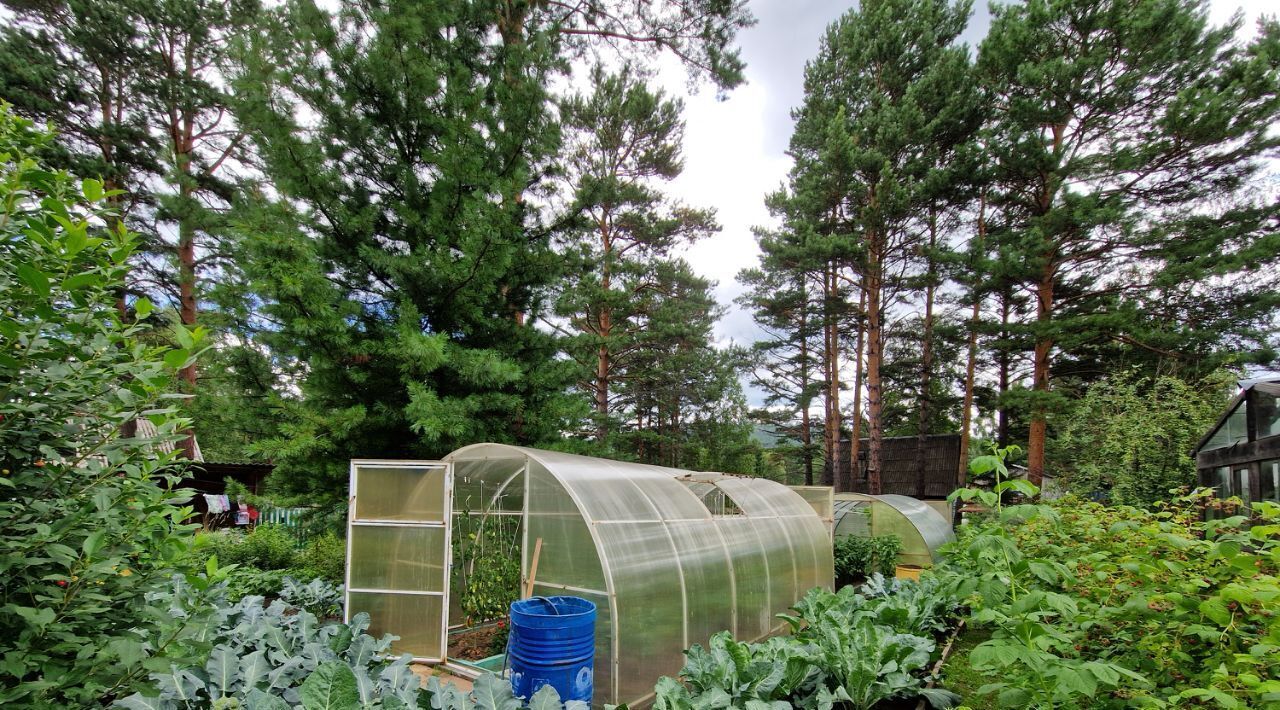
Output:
x=569 y=557
x=385 y=557
x=852 y=517
x=670 y=557
x=933 y=529
x=919 y=526
x=416 y=619
x=752 y=581
x=650 y=598
x=822 y=500
x=707 y=573
x=488 y=484
x=396 y=493
x=398 y=523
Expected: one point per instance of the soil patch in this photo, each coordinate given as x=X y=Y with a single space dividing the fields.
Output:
x=475 y=644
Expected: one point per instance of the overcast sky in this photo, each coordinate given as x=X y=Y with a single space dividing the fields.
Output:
x=735 y=149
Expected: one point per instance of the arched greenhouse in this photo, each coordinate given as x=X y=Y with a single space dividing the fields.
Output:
x=921 y=529
x=670 y=557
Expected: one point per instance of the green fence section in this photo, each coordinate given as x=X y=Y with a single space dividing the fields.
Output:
x=287 y=518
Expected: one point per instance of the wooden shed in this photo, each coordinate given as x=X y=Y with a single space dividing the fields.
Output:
x=908 y=469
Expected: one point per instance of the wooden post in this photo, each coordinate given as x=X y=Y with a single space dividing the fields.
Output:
x=533 y=569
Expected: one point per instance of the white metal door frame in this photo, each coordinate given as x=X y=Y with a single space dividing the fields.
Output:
x=445 y=524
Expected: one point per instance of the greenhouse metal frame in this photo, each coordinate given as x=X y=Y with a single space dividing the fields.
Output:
x=670 y=557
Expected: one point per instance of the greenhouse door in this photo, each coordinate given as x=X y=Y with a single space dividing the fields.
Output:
x=398 y=552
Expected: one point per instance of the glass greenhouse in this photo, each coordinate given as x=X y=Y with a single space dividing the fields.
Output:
x=1240 y=456
x=670 y=557
x=921 y=528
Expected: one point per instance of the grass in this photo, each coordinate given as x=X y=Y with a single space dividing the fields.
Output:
x=959 y=677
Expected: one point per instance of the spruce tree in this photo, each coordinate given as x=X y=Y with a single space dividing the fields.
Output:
x=1124 y=137
x=407 y=136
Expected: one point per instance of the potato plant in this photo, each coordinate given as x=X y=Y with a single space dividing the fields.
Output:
x=1123 y=607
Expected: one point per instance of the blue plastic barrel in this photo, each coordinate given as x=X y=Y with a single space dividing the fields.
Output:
x=553 y=642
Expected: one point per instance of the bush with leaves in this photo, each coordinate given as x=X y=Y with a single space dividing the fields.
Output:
x=857 y=558
x=1111 y=607
x=90 y=516
x=267 y=554
x=265 y=547
x=323 y=557
x=1130 y=437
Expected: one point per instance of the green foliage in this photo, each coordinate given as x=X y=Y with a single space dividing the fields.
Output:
x=856 y=647
x=486 y=555
x=281 y=656
x=266 y=547
x=1129 y=143
x=1131 y=437
x=267 y=557
x=262 y=558
x=883 y=150
x=323 y=557
x=421 y=345
x=733 y=674
x=278 y=650
x=1123 y=607
x=90 y=517
x=235 y=405
x=857 y=558
x=318 y=597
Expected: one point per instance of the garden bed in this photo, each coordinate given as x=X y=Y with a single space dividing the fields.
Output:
x=478 y=642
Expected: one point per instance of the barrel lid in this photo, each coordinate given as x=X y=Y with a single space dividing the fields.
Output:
x=563 y=606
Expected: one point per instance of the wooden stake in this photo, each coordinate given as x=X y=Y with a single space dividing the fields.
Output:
x=533 y=569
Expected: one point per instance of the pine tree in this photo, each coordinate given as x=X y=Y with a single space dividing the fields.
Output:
x=887 y=97
x=699 y=33
x=76 y=66
x=786 y=362
x=1124 y=135
x=183 y=45
x=623 y=142
x=680 y=397
x=137 y=100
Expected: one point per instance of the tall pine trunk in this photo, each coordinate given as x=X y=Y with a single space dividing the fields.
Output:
x=1003 y=365
x=605 y=328
x=1044 y=343
x=855 y=428
x=831 y=366
x=875 y=353
x=966 y=415
x=926 y=355
x=1040 y=379
x=182 y=134
x=806 y=423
